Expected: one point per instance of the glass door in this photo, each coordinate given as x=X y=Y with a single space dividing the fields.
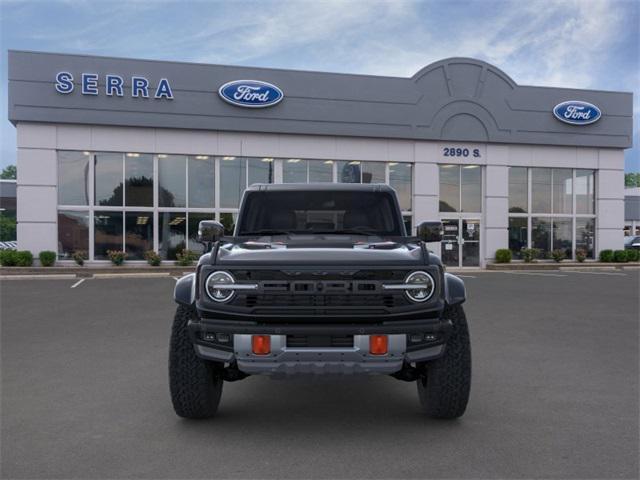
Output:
x=450 y=242
x=470 y=243
x=461 y=242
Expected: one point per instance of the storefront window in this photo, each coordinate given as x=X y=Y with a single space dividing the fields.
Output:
x=233 y=181
x=73 y=233
x=228 y=220
x=585 y=235
x=373 y=172
x=408 y=224
x=201 y=181
x=518 y=190
x=138 y=234
x=194 y=219
x=541 y=190
x=172 y=231
x=562 y=190
x=585 y=191
x=260 y=170
x=471 y=192
x=541 y=235
x=294 y=170
x=107 y=232
x=73 y=178
x=108 y=179
x=350 y=172
x=517 y=235
x=400 y=179
x=449 y=188
x=138 y=173
x=320 y=171
x=562 y=235
x=172 y=180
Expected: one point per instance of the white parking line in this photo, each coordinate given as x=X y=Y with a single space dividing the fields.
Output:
x=537 y=274
x=465 y=276
x=78 y=283
x=599 y=273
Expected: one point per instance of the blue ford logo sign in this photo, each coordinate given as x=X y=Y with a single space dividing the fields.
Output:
x=576 y=112
x=250 y=93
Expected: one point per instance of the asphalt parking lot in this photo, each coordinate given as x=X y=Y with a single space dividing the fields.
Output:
x=554 y=394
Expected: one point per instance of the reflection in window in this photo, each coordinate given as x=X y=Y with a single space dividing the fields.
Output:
x=449 y=188
x=373 y=172
x=172 y=181
x=349 y=172
x=400 y=180
x=562 y=235
x=294 y=170
x=518 y=190
x=138 y=174
x=201 y=182
x=233 y=181
x=138 y=234
x=562 y=190
x=585 y=235
x=471 y=188
x=228 y=220
x=172 y=231
x=194 y=219
x=108 y=179
x=260 y=170
x=107 y=232
x=585 y=191
x=320 y=171
x=517 y=235
x=73 y=233
x=73 y=178
x=541 y=190
x=408 y=224
x=541 y=235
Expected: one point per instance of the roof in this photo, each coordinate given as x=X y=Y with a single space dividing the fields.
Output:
x=315 y=187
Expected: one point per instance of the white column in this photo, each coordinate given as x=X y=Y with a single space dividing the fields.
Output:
x=496 y=210
x=610 y=200
x=37 y=188
x=426 y=192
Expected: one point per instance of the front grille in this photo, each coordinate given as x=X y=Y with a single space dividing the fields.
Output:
x=292 y=300
x=320 y=341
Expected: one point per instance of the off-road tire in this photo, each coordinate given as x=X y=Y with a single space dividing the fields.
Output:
x=443 y=386
x=195 y=384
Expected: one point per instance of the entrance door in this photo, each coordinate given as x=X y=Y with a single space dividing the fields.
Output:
x=461 y=242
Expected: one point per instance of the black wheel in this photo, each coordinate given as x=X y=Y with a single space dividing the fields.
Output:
x=195 y=384
x=443 y=386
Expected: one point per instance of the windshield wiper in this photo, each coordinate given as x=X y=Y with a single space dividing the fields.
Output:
x=265 y=231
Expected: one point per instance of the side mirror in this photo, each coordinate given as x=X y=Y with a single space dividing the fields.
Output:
x=210 y=231
x=430 y=231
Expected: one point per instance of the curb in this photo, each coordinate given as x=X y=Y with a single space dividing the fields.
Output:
x=561 y=266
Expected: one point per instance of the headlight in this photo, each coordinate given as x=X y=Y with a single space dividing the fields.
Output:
x=425 y=286
x=215 y=286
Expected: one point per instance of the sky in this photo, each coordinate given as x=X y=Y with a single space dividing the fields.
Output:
x=565 y=43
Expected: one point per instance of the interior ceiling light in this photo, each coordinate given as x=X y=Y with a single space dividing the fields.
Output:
x=162 y=155
x=228 y=158
x=133 y=154
x=293 y=160
x=202 y=157
x=266 y=159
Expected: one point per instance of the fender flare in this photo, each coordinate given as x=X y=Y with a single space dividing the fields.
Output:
x=454 y=289
x=184 y=292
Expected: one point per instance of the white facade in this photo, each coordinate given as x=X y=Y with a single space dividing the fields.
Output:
x=38 y=177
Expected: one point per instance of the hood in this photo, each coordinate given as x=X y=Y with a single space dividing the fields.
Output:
x=320 y=249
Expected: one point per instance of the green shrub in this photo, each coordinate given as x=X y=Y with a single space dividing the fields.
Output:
x=558 y=255
x=503 y=255
x=117 y=257
x=24 y=258
x=581 y=254
x=620 y=256
x=633 y=255
x=47 y=258
x=606 y=256
x=186 y=257
x=529 y=254
x=152 y=258
x=8 y=258
x=80 y=256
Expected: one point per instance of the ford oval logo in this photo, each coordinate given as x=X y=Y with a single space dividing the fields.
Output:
x=576 y=112
x=250 y=93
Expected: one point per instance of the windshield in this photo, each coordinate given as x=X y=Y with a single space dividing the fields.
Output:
x=332 y=212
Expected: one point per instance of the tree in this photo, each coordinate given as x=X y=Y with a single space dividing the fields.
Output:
x=632 y=180
x=9 y=172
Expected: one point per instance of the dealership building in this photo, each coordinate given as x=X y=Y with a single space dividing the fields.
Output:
x=124 y=154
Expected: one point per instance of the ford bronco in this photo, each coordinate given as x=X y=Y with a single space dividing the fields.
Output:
x=319 y=279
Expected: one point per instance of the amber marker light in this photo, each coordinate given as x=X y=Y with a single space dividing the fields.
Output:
x=378 y=344
x=261 y=344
